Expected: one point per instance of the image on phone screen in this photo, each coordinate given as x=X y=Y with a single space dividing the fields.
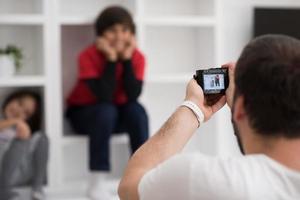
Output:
x=214 y=81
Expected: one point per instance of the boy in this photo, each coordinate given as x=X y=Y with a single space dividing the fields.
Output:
x=104 y=100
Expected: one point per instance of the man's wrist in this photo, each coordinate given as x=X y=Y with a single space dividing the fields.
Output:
x=196 y=110
x=194 y=100
x=192 y=119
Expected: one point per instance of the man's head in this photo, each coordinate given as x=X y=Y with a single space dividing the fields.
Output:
x=116 y=25
x=267 y=90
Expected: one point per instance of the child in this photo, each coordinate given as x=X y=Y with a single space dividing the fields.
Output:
x=23 y=150
x=104 y=100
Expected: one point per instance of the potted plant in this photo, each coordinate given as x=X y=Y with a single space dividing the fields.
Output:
x=10 y=60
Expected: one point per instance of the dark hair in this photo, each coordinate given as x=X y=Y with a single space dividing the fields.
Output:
x=35 y=120
x=111 y=16
x=268 y=76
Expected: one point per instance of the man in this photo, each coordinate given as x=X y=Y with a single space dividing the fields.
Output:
x=264 y=96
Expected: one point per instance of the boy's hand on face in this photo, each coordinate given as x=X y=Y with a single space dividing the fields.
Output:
x=195 y=94
x=23 y=130
x=103 y=45
x=129 y=49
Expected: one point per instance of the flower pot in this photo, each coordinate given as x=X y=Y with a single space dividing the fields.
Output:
x=7 y=66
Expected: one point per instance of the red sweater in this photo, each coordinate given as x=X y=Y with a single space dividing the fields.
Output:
x=91 y=65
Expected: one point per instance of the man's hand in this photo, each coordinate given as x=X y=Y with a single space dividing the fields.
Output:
x=231 y=87
x=23 y=130
x=195 y=94
x=128 y=51
x=103 y=46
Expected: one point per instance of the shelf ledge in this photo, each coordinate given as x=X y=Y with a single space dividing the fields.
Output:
x=74 y=139
x=197 y=21
x=19 y=19
x=77 y=20
x=22 y=81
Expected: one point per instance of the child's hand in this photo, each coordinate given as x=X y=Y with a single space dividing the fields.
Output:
x=128 y=51
x=23 y=130
x=103 y=45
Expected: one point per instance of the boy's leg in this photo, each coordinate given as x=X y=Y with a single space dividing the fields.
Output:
x=135 y=118
x=98 y=121
x=102 y=128
x=11 y=175
x=40 y=161
x=8 y=194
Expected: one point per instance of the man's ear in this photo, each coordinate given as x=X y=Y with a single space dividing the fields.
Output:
x=239 y=109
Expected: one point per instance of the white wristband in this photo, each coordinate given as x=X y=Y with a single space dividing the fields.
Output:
x=196 y=110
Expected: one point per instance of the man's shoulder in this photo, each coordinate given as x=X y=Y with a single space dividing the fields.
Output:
x=200 y=157
x=201 y=177
x=200 y=167
x=208 y=177
x=234 y=165
x=232 y=177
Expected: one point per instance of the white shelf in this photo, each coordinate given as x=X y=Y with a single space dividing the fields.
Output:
x=172 y=78
x=198 y=21
x=75 y=139
x=18 y=19
x=77 y=20
x=24 y=81
x=74 y=190
x=30 y=39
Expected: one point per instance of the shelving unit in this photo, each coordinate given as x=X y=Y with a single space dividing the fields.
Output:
x=176 y=36
x=22 y=24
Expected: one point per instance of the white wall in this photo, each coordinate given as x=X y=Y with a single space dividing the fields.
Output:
x=237 y=22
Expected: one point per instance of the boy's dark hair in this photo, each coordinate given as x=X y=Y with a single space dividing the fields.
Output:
x=111 y=16
x=35 y=120
x=268 y=76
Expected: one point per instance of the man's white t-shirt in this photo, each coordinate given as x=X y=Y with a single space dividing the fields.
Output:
x=200 y=177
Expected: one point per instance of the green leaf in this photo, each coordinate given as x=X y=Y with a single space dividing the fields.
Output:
x=16 y=54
